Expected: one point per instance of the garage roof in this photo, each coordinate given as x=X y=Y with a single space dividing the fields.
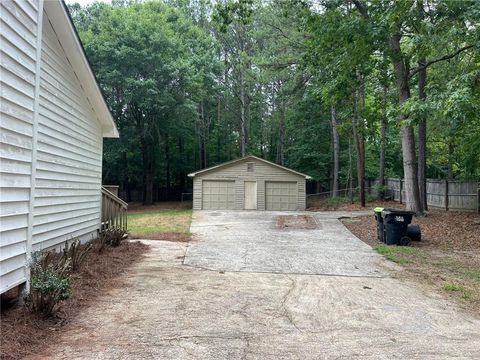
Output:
x=251 y=157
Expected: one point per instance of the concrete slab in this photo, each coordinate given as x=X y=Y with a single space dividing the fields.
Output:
x=170 y=311
x=250 y=241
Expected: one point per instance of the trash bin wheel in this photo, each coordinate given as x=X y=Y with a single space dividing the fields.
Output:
x=404 y=241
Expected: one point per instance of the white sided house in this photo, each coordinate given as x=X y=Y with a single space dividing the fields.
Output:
x=249 y=183
x=53 y=120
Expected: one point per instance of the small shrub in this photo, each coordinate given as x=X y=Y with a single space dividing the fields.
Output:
x=381 y=191
x=76 y=253
x=49 y=282
x=112 y=237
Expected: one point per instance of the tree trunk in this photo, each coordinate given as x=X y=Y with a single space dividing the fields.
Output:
x=360 y=146
x=202 y=130
x=181 y=175
x=383 y=130
x=148 y=155
x=219 y=127
x=422 y=139
x=336 y=151
x=243 y=120
x=350 y=170
x=281 y=136
x=359 y=139
x=148 y=171
x=410 y=169
x=167 y=166
x=451 y=149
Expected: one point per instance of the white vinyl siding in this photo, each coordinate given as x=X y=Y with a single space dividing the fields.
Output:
x=18 y=25
x=69 y=152
x=50 y=143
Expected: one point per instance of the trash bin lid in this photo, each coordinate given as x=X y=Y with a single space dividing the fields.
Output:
x=378 y=209
x=400 y=211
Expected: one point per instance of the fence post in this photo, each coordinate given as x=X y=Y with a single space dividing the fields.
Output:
x=446 y=195
x=478 y=200
x=401 y=188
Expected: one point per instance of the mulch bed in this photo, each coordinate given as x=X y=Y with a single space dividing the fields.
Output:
x=446 y=230
x=447 y=260
x=24 y=333
x=326 y=204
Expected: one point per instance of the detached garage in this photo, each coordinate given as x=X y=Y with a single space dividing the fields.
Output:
x=249 y=183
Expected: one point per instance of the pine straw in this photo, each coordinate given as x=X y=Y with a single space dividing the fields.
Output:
x=446 y=230
x=24 y=333
x=343 y=204
x=447 y=259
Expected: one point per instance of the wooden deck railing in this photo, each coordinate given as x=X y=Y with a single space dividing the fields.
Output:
x=114 y=211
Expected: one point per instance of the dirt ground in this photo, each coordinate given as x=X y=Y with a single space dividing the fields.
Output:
x=343 y=204
x=135 y=207
x=446 y=260
x=296 y=222
x=24 y=333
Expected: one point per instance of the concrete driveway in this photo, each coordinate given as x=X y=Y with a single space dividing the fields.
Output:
x=275 y=242
x=249 y=287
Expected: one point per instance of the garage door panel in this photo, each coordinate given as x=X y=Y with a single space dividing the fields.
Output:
x=218 y=195
x=281 y=196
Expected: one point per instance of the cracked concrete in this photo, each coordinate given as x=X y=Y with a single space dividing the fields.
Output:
x=250 y=241
x=169 y=310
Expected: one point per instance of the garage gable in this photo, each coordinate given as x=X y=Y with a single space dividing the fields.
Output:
x=249 y=183
x=249 y=164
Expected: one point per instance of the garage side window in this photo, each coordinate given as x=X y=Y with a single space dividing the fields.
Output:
x=250 y=166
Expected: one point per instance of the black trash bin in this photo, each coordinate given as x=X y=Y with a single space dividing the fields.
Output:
x=395 y=223
x=414 y=232
x=379 y=218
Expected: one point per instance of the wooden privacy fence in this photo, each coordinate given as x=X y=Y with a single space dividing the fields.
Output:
x=114 y=211
x=447 y=194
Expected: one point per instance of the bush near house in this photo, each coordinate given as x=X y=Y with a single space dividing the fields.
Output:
x=26 y=333
x=49 y=282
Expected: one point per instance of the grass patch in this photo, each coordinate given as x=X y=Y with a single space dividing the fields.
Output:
x=473 y=275
x=466 y=293
x=396 y=253
x=157 y=222
x=453 y=287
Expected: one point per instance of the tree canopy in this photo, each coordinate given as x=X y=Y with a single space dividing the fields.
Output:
x=337 y=89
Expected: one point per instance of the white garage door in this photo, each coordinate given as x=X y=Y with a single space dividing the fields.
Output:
x=218 y=195
x=281 y=195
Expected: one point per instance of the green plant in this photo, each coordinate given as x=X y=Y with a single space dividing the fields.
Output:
x=49 y=282
x=381 y=191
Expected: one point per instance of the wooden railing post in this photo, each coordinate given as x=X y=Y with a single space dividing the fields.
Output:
x=114 y=211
